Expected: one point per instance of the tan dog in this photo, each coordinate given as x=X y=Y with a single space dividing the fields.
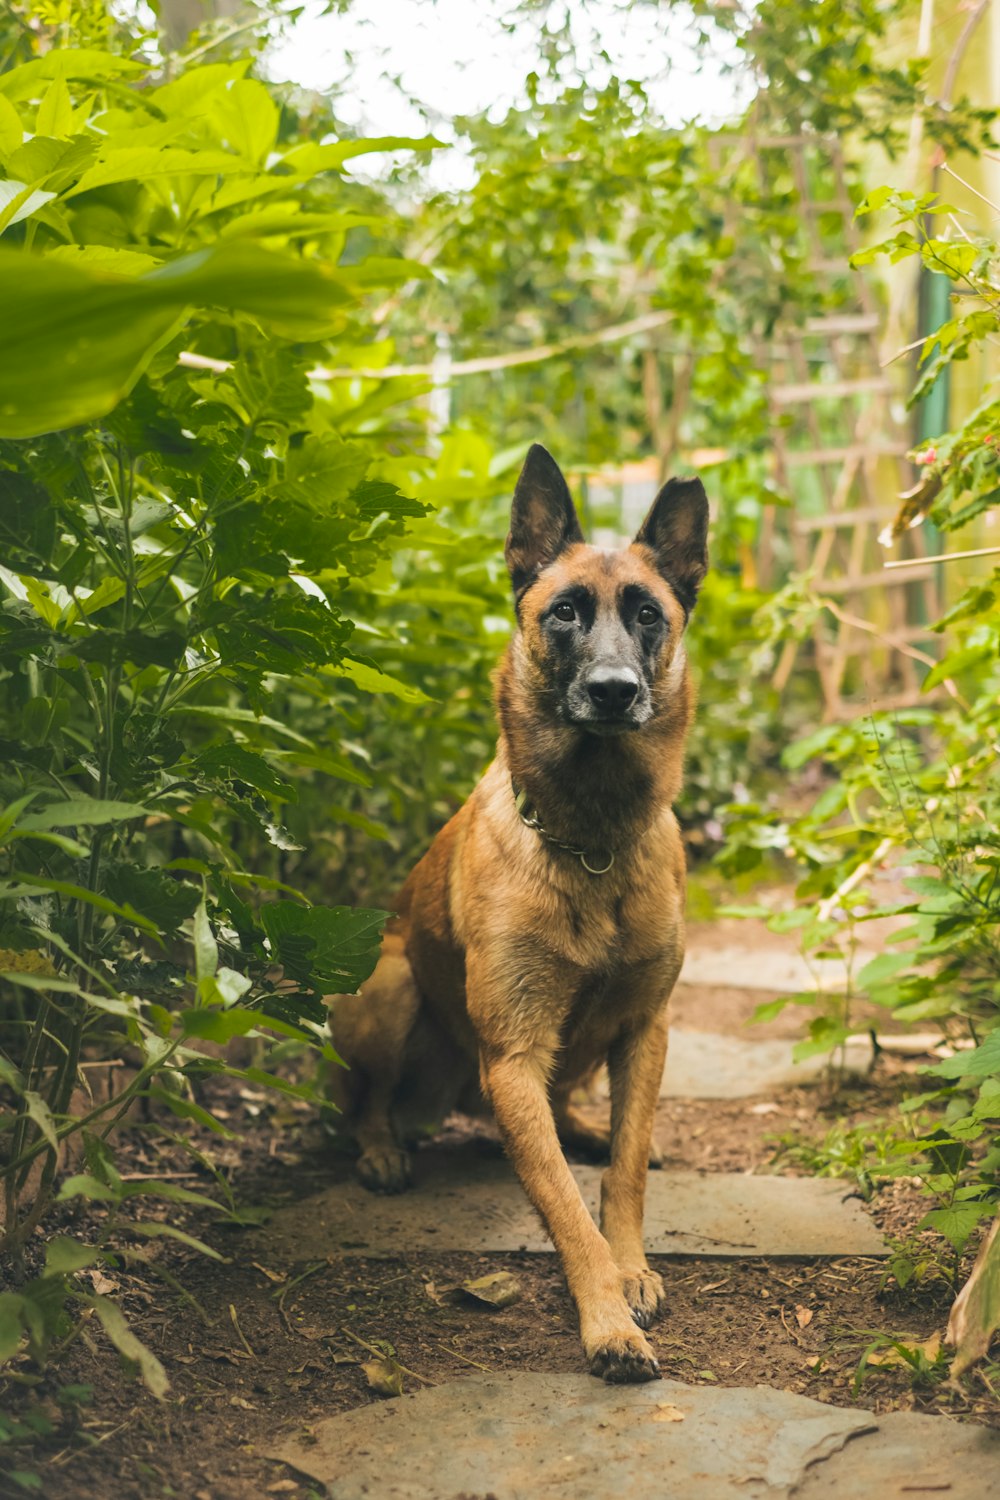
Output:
x=542 y=933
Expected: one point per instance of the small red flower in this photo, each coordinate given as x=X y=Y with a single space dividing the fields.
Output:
x=928 y=456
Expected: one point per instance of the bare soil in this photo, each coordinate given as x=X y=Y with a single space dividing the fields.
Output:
x=253 y=1351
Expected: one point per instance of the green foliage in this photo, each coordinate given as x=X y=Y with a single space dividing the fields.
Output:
x=184 y=515
x=918 y=791
x=962 y=474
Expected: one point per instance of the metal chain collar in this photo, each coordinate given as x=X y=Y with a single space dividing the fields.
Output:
x=530 y=819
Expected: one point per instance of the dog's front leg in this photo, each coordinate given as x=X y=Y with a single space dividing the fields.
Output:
x=635 y=1068
x=517 y=1086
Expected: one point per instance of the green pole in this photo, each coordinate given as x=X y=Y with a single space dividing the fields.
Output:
x=932 y=415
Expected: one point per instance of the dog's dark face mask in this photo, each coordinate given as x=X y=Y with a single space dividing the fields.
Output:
x=604 y=628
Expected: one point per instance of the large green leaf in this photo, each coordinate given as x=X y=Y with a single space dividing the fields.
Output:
x=31 y=78
x=74 y=340
x=327 y=948
x=113 y=1322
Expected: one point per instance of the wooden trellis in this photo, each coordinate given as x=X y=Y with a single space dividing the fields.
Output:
x=840 y=453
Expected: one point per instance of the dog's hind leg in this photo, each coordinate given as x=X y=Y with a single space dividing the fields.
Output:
x=587 y=1137
x=370 y=1032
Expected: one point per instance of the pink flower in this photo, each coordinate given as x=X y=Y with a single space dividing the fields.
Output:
x=928 y=456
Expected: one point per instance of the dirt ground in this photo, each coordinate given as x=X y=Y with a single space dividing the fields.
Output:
x=253 y=1351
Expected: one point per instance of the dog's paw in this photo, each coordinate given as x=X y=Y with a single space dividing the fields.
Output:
x=645 y=1294
x=384 y=1169
x=624 y=1359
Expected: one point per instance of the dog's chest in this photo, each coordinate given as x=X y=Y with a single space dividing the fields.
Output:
x=607 y=924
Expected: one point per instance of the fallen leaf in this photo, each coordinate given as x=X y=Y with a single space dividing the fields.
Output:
x=976 y=1312
x=892 y=1356
x=803 y=1316
x=764 y=1108
x=103 y=1285
x=499 y=1290
x=279 y=1277
x=384 y=1376
x=666 y=1413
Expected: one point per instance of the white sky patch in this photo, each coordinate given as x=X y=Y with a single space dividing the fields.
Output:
x=455 y=57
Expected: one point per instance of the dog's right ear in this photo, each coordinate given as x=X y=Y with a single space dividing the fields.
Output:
x=542 y=519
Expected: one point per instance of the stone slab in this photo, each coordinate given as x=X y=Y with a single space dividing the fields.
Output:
x=463 y=1201
x=565 y=1437
x=910 y=1456
x=705 y=1065
x=778 y=970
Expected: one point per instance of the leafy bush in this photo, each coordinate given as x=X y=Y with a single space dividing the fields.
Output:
x=919 y=790
x=189 y=524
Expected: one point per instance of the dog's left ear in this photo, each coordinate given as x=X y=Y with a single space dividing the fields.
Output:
x=542 y=519
x=676 y=532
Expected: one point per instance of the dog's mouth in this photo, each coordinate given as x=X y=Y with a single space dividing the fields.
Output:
x=608 y=725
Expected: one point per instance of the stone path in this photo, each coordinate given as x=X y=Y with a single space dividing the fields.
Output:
x=705 y=1065
x=569 y=1437
x=462 y=1200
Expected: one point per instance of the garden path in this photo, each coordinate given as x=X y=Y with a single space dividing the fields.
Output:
x=561 y=1436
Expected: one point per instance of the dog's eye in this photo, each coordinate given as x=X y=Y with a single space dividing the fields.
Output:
x=564 y=611
x=648 y=614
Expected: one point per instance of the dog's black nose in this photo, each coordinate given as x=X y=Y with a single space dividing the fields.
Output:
x=612 y=689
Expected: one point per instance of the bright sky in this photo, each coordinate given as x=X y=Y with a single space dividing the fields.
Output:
x=456 y=57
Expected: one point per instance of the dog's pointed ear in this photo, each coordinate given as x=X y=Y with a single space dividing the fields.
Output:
x=542 y=519
x=676 y=532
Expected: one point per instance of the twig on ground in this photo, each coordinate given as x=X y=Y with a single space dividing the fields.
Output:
x=458 y=1355
x=380 y=1354
x=239 y=1330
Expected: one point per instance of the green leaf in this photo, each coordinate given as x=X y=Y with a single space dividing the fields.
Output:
x=371 y=679
x=66 y=62
x=235 y=761
x=187 y=1109
x=247 y=118
x=29 y=883
x=142 y=163
x=19 y=200
x=83 y=1185
x=884 y=966
x=55 y=113
x=11 y=1325
x=222 y=1025
x=42 y=1116
x=981 y=1062
x=957 y=1222
x=89 y=812
x=325 y=948
x=113 y=1322
x=63 y=1256
x=154 y=1230
x=873 y=201
x=206 y=949
x=171 y=1192
x=92 y=334
x=11 y=129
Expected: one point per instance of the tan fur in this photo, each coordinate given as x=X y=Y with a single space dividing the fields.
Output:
x=509 y=962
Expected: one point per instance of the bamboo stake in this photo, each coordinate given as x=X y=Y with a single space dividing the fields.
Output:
x=919 y=562
x=610 y=335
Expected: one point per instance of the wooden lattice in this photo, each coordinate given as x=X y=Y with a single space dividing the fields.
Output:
x=840 y=453
x=840 y=440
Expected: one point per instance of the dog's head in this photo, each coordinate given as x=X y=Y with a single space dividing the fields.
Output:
x=603 y=629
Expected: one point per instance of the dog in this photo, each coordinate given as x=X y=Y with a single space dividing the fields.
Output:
x=541 y=934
